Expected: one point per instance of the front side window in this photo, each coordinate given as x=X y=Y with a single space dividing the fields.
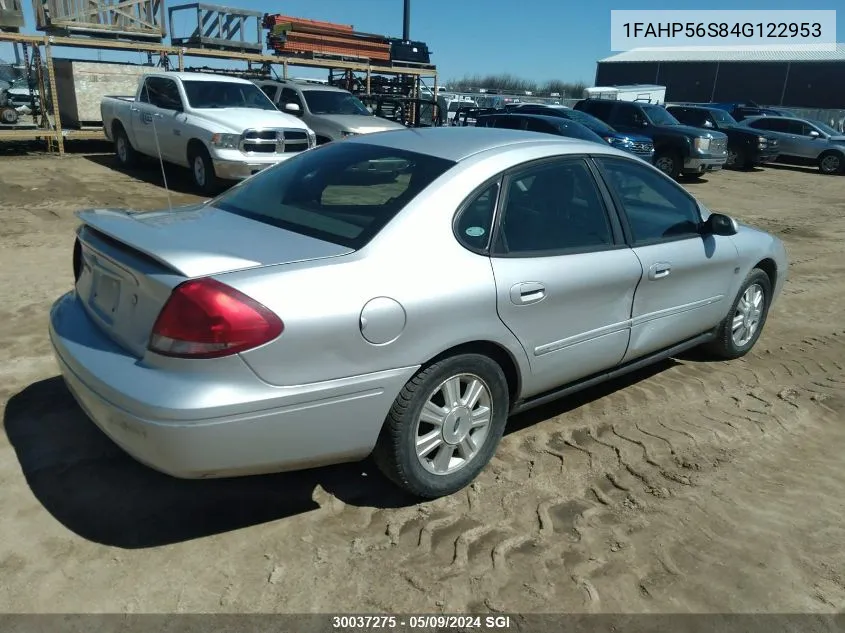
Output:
x=204 y=95
x=659 y=115
x=290 y=96
x=628 y=116
x=553 y=208
x=162 y=93
x=657 y=209
x=343 y=193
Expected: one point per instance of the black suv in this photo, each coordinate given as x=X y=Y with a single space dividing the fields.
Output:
x=678 y=149
x=746 y=148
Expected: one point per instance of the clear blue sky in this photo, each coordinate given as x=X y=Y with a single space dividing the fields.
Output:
x=537 y=39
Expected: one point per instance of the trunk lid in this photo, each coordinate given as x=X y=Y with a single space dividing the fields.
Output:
x=126 y=263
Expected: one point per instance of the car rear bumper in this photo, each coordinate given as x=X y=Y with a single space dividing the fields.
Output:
x=191 y=422
x=701 y=165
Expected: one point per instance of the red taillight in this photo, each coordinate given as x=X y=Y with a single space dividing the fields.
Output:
x=204 y=318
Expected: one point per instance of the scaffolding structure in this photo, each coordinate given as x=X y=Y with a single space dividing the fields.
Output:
x=53 y=132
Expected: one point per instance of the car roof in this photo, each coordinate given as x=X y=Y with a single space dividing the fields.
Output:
x=693 y=107
x=459 y=143
x=302 y=85
x=540 y=117
x=770 y=117
x=199 y=77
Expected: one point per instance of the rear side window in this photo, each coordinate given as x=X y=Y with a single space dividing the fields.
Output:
x=510 y=122
x=600 y=108
x=344 y=193
x=475 y=221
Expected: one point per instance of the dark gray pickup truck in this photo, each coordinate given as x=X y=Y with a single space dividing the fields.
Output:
x=678 y=149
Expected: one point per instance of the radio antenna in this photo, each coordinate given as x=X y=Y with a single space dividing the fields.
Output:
x=153 y=118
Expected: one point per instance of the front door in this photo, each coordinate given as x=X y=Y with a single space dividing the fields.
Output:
x=565 y=280
x=687 y=277
x=806 y=146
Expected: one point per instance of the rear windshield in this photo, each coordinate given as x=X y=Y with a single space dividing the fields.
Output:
x=342 y=192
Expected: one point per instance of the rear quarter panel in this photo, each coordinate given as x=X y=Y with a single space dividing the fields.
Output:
x=447 y=293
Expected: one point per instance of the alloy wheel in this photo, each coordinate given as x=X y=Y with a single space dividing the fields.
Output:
x=748 y=314
x=454 y=424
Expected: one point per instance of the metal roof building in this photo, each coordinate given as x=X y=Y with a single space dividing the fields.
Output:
x=802 y=76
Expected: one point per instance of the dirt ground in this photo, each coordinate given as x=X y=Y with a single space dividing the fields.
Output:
x=692 y=487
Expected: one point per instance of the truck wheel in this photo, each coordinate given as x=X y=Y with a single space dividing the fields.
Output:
x=668 y=163
x=736 y=159
x=202 y=171
x=126 y=154
x=831 y=163
x=444 y=426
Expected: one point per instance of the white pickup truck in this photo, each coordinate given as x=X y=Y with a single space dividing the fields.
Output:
x=222 y=128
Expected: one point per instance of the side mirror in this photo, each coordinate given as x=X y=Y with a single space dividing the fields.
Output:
x=708 y=124
x=720 y=224
x=814 y=134
x=293 y=108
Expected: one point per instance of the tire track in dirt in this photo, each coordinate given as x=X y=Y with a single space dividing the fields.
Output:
x=564 y=499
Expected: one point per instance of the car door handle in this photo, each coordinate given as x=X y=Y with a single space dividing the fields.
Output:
x=527 y=292
x=659 y=270
x=133 y=109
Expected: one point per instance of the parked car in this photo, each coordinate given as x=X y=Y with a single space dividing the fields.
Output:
x=742 y=110
x=678 y=149
x=333 y=113
x=18 y=93
x=539 y=123
x=300 y=319
x=746 y=148
x=637 y=144
x=804 y=142
x=222 y=128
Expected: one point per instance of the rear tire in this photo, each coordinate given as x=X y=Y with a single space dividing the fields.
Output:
x=831 y=163
x=126 y=154
x=739 y=332
x=444 y=426
x=202 y=171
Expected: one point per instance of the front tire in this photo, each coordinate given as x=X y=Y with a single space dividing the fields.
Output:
x=669 y=163
x=444 y=426
x=202 y=171
x=741 y=329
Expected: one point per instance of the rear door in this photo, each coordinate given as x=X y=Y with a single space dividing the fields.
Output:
x=687 y=277
x=565 y=280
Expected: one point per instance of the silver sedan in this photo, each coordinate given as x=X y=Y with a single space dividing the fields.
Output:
x=399 y=294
